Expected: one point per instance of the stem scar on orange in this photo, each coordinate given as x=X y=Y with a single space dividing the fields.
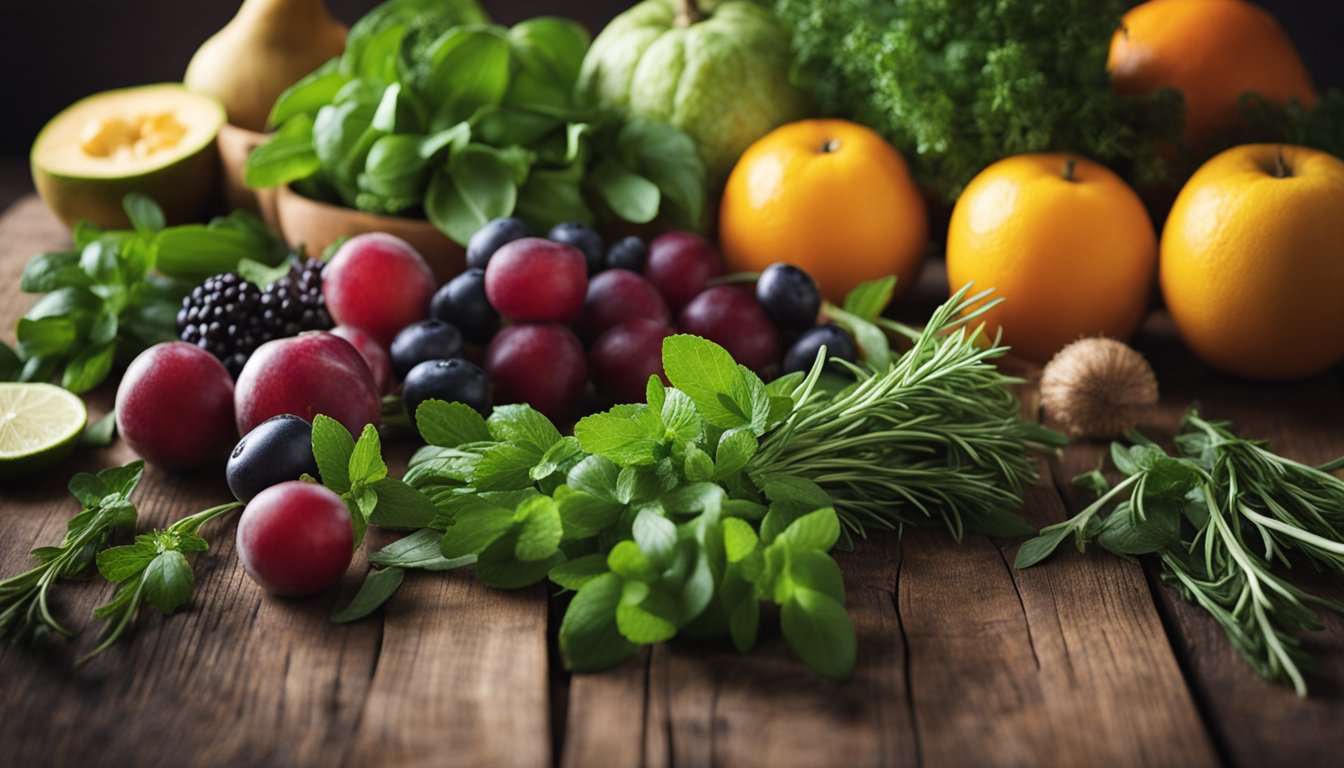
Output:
x=1252 y=266
x=1212 y=51
x=1063 y=241
x=830 y=197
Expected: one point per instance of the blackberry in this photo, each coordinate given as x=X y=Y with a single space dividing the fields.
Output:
x=230 y=317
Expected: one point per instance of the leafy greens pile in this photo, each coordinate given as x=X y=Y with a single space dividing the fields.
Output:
x=957 y=86
x=721 y=493
x=118 y=291
x=471 y=125
x=1218 y=515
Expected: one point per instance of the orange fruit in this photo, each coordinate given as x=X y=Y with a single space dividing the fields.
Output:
x=1063 y=241
x=1252 y=265
x=830 y=197
x=1212 y=51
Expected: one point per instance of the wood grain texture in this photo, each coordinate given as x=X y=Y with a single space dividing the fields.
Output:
x=453 y=674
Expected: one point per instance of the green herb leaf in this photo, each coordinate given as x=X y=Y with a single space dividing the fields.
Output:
x=819 y=631
x=378 y=588
x=474 y=531
x=477 y=188
x=145 y=215
x=817 y=530
x=400 y=506
x=540 y=530
x=450 y=424
x=366 y=460
x=628 y=435
x=1035 y=550
x=869 y=299
x=421 y=550
x=655 y=535
x=121 y=563
x=169 y=581
x=589 y=637
x=574 y=574
x=523 y=425
x=333 y=448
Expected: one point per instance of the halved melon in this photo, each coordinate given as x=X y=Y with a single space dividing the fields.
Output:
x=155 y=139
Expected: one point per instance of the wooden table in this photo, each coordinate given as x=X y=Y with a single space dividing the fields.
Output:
x=1085 y=660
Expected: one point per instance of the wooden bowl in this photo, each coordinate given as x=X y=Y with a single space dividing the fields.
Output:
x=317 y=225
x=235 y=144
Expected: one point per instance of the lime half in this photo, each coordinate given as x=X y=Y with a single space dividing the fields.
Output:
x=39 y=426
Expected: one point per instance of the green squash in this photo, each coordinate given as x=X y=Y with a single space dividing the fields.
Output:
x=721 y=76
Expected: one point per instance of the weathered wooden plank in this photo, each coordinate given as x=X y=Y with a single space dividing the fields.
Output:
x=1254 y=722
x=461 y=678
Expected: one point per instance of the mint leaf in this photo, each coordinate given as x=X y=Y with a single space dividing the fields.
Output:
x=697 y=466
x=790 y=488
x=168 y=581
x=524 y=426
x=736 y=447
x=420 y=550
x=819 y=631
x=744 y=618
x=739 y=539
x=145 y=215
x=540 y=530
x=578 y=572
x=332 y=448
x=366 y=460
x=400 y=506
x=589 y=637
x=817 y=571
x=121 y=563
x=506 y=467
x=817 y=530
x=639 y=625
x=583 y=515
x=628 y=435
x=869 y=299
x=378 y=588
x=473 y=531
x=496 y=566
x=708 y=374
x=560 y=457
x=655 y=535
x=680 y=419
x=1035 y=550
x=628 y=560
x=597 y=477
x=99 y=434
x=450 y=424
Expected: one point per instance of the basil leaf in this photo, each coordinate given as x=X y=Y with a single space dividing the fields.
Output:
x=145 y=215
x=629 y=195
x=547 y=53
x=478 y=187
x=88 y=367
x=1035 y=550
x=468 y=68
x=286 y=157
x=309 y=94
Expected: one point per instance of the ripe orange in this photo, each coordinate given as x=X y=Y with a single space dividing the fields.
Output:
x=1252 y=265
x=830 y=197
x=1063 y=241
x=1212 y=51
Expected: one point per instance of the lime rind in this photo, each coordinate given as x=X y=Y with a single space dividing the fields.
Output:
x=39 y=426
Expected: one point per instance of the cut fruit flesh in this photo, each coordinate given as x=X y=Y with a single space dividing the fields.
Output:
x=127 y=132
x=39 y=425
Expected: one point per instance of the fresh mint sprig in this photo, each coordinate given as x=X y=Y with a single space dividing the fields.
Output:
x=25 y=607
x=153 y=569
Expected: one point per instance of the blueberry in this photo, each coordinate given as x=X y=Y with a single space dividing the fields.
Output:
x=627 y=253
x=276 y=450
x=425 y=340
x=789 y=296
x=492 y=237
x=454 y=380
x=803 y=353
x=462 y=303
x=581 y=237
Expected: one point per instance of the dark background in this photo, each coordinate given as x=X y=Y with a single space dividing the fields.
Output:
x=53 y=52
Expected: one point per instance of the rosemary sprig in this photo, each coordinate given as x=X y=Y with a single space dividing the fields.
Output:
x=25 y=607
x=936 y=434
x=1219 y=516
